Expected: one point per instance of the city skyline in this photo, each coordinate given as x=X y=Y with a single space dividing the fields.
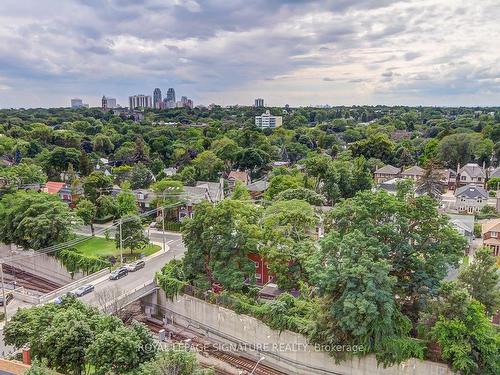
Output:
x=295 y=52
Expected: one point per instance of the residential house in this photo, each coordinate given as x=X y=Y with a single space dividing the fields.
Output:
x=490 y=233
x=470 y=198
x=240 y=176
x=257 y=188
x=145 y=198
x=65 y=191
x=449 y=178
x=415 y=173
x=464 y=224
x=471 y=173
x=262 y=275
x=387 y=172
x=193 y=195
x=495 y=173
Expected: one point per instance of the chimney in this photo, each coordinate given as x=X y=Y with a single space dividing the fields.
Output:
x=26 y=356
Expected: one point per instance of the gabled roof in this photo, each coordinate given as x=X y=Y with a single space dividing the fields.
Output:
x=239 y=176
x=473 y=170
x=196 y=194
x=388 y=169
x=215 y=192
x=464 y=222
x=413 y=171
x=495 y=173
x=52 y=187
x=489 y=225
x=471 y=191
x=258 y=186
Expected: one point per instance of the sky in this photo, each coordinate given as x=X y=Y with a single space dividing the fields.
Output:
x=336 y=52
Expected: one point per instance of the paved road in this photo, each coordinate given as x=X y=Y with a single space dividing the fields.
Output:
x=175 y=249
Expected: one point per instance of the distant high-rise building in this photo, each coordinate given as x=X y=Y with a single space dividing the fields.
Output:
x=259 y=102
x=171 y=95
x=184 y=100
x=104 y=103
x=157 y=98
x=76 y=103
x=111 y=103
x=190 y=103
x=140 y=101
x=266 y=120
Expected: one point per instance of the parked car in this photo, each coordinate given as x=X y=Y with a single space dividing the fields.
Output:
x=118 y=273
x=8 y=297
x=135 y=266
x=84 y=289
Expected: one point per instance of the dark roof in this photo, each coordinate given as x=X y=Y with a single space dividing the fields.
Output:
x=388 y=169
x=471 y=191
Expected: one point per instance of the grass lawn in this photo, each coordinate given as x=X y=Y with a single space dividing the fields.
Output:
x=101 y=247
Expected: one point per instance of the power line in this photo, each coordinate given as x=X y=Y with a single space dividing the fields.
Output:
x=71 y=243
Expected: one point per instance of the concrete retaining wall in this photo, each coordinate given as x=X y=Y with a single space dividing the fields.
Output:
x=42 y=265
x=290 y=351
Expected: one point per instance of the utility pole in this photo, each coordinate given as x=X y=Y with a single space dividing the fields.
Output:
x=163 y=228
x=3 y=294
x=121 y=244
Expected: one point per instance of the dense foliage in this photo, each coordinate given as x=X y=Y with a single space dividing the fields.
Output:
x=71 y=336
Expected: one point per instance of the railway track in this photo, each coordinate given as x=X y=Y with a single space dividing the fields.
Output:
x=29 y=280
x=203 y=345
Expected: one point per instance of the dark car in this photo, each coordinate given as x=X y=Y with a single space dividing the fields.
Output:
x=8 y=297
x=84 y=289
x=118 y=273
x=135 y=266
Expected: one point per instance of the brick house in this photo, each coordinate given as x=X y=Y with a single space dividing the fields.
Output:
x=490 y=233
x=415 y=173
x=386 y=173
x=63 y=190
x=262 y=275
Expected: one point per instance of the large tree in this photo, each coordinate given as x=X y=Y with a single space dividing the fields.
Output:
x=35 y=220
x=96 y=185
x=358 y=306
x=288 y=231
x=208 y=166
x=418 y=242
x=481 y=279
x=86 y=210
x=132 y=234
x=218 y=240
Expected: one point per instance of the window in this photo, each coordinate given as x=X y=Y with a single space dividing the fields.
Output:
x=463 y=178
x=494 y=234
x=256 y=264
x=257 y=276
x=479 y=178
x=479 y=200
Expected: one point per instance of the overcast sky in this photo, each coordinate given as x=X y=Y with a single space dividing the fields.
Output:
x=414 y=52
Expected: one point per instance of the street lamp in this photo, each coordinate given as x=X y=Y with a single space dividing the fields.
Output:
x=259 y=361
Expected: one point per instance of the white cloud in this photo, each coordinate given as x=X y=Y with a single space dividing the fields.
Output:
x=296 y=52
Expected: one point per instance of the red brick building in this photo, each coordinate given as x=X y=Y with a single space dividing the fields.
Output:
x=262 y=275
